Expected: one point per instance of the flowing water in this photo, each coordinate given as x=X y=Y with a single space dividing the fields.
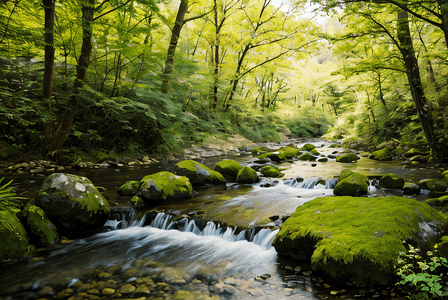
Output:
x=175 y=253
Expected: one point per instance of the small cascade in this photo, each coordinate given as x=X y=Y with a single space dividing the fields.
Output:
x=374 y=188
x=312 y=183
x=262 y=237
x=124 y=219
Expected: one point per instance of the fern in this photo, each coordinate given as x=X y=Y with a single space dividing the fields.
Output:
x=8 y=196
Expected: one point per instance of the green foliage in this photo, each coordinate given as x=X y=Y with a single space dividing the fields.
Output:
x=421 y=277
x=8 y=196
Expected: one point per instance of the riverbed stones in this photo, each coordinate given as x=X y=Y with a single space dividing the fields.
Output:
x=271 y=171
x=354 y=184
x=391 y=181
x=411 y=188
x=347 y=158
x=164 y=187
x=72 y=203
x=381 y=155
x=277 y=156
x=41 y=229
x=290 y=151
x=357 y=239
x=130 y=188
x=14 y=241
x=247 y=175
x=307 y=147
x=228 y=168
x=197 y=173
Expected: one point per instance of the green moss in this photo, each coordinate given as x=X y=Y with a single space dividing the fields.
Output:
x=14 y=241
x=314 y=152
x=397 y=151
x=228 y=168
x=322 y=159
x=438 y=202
x=435 y=185
x=391 y=181
x=350 y=233
x=198 y=173
x=414 y=152
x=307 y=157
x=40 y=226
x=136 y=200
x=290 y=151
x=247 y=175
x=271 y=171
x=307 y=147
x=129 y=188
x=445 y=175
x=169 y=186
x=274 y=156
x=353 y=185
x=381 y=155
x=345 y=173
x=346 y=158
x=6 y=150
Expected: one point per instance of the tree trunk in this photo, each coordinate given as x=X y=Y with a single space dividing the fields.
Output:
x=216 y=60
x=65 y=126
x=443 y=4
x=49 y=8
x=413 y=74
x=236 y=79
x=175 y=34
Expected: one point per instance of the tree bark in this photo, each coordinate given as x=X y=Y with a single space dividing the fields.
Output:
x=65 y=126
x=216 y=59
x=413 y=73
x=49 y=8
x=175 y=34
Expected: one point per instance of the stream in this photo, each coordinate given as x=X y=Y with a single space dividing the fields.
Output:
x=171 y=252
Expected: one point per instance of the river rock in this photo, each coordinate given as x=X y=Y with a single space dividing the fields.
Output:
x=129 y=188
x=346 y=158
x=381 y=155
x=271 y=171
x=391 y=181
x=414 y=152
x=228 y=168
x=290 y=151
x=307 y=157
x=411 y=188
x=357 y=239
x=40 y=227
x=14 y=241
x=72 y=203
x=247 y=175
x=164 y=187
x=438 y=202
x=276 y=156
x=197 y=173
x=354 y=184
x=438 y=187
x=308 y=147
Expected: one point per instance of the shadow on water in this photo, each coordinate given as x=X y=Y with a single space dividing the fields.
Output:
x=238 y=245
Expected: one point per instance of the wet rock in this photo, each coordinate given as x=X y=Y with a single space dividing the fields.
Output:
x=322 y=159
x=347 y=158
x=308 y=147
x=108 y=291
x=127 y=289
x=332 y=231
x=411 y=188
x=289 y=151
x=12 y=231
x=381 y=155
x=438 y=202
x=164 y=187
x=72 y=203
x=41 y=229
x=277 y=156
x=391 y=181
x=247 y=175
x=307 y=157
x=129 y=188
x=228 y=168
x=197 y=173
x=353 y=185
x=46 y=291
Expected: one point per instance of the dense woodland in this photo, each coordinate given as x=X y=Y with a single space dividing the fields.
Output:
x=156 y=76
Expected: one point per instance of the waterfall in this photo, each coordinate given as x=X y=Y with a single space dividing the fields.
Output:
x=124 y=219
x=312 y=183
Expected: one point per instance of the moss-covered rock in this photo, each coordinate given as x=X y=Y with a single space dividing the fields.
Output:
x=137 y=201
x=271 y=171
x=228 y=168
x=411 y=188
x=164 y=186
x=307 y=157
x=438 y=202
x=445 y=175
x=14 y=241
x=129 y=188
x=437 y=186
x=6 y=150
x=72 y=203
x=443 y=246
x=322 y=159
x=391 y=181
x=357 y=239
x=277 y=156
x=345 y=173
x=355 y=184
x=419 y=159
x=307 y=147
x=247 y=175
x=197 y=173
x=414 y=152
x=290 y=151
x=314 y=152
x=381 y=155
x=347 y=158
x=41 y=229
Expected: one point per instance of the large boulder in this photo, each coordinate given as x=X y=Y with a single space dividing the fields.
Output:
x=72 y=203
x=357 y=239
x=14 y=240
x=391 y=181
x=247 y=175
x=164 y=187
x=197 y=173
x=307 y=147
x=381 y=155
x=290 y=151
x=40 y=228
x=228 y=168
x=355 y=184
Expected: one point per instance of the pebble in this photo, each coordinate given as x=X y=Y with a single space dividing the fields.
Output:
x=104 y=275
x=108 y=291
x=298 y=269
x=127 y=289
x=288 y=290
x=143 y=289
x=257 y=292
x=327 y=286
x=309 y=289
x=307 y=273
x=46 y=291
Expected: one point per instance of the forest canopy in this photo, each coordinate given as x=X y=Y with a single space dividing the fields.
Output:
x=157 y=76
